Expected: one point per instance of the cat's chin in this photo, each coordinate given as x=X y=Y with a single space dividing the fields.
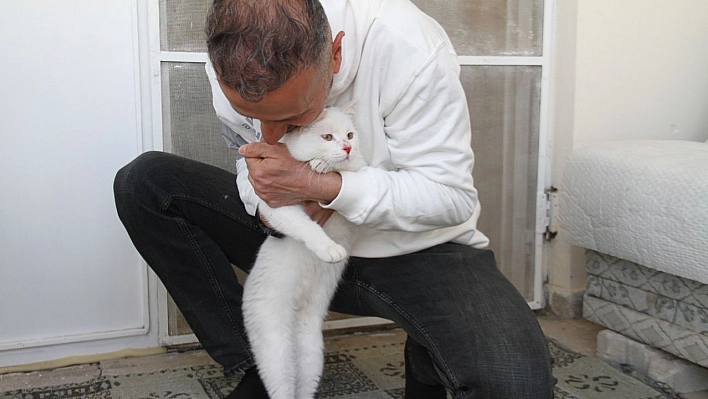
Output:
x=330 y=165
x=321 y=166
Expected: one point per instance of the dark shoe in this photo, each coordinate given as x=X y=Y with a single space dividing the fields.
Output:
x=250 y=387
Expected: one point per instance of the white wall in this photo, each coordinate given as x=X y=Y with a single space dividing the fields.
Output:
x=69 y=118
x=630 y=69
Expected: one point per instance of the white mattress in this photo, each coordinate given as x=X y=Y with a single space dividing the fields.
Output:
x=643 y=201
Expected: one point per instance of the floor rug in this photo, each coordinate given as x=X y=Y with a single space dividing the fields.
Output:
x=363 y=371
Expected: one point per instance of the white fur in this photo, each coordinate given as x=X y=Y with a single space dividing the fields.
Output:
x=288 y=291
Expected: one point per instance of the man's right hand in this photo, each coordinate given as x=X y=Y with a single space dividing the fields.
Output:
x=280 y=180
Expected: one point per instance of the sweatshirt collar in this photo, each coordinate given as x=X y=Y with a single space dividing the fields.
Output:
x=357 y=18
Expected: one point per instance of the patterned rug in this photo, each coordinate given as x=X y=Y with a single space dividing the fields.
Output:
x=357 y=372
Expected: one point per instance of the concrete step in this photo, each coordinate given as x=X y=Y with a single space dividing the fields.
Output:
x=682 y=376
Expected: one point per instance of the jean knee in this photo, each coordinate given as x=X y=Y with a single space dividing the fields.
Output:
x=132 y=183
x=526 y=378
x=535 y=382
x=135 y=171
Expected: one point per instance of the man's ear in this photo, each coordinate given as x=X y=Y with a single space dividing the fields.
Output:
x=336 y=61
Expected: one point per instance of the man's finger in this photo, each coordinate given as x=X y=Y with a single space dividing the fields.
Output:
x=253 y=150
x=246 y=150
x=259 y=150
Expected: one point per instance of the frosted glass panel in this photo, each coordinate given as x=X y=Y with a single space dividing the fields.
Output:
x=504 y=107
x=182 y=25
x=191 y=129
x=490 y=27
x=476 y=27
x=190 y=126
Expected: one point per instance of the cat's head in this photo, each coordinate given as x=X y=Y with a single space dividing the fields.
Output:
x=330 y=143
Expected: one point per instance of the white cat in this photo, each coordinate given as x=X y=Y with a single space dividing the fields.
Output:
x=287 y=293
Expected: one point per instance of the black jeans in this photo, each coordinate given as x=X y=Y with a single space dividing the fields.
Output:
x=469 y=328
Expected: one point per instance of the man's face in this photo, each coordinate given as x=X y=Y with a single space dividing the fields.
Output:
x=297 y=103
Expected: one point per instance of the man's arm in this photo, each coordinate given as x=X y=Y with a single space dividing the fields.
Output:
x=428 y=137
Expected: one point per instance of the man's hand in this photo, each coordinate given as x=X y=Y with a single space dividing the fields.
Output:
x=280 y=180
x=313 y=210
x=317 y=213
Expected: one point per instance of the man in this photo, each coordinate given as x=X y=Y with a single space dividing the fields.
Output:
x=419 y=259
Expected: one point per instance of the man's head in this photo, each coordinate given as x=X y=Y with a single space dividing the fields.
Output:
x=274 y=59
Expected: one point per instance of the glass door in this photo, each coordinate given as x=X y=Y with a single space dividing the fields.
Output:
x=503 y=51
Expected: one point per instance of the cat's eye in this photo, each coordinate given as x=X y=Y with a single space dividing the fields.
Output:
x=350 y=135
x=327 y=137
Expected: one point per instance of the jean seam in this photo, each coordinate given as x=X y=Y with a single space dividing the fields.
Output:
x=246 y=222
x=200 y=254
x=359 y=297
x=231 y=371
x=214 y=283
x=415 y=324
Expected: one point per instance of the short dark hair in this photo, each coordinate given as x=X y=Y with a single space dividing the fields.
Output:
x=255 y=46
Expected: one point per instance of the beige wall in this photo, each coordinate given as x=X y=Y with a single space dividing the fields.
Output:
x=630 y=69
x=641 y=70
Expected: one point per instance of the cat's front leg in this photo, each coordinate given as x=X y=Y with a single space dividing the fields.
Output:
x=294 y=222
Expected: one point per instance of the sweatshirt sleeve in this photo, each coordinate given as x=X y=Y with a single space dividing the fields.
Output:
x=428 y=136
x=245 y=189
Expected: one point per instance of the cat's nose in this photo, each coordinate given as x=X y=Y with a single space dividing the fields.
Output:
x=347 y=148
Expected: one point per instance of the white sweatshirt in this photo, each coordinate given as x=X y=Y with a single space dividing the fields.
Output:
x=414 y=131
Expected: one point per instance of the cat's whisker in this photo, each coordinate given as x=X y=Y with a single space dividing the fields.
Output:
x=305 y=168
x=312 y=173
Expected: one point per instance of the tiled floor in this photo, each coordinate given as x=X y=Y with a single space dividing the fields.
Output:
x=580 y=336
x=577 y=335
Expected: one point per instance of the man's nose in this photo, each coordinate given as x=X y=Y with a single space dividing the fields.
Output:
x=273 y=131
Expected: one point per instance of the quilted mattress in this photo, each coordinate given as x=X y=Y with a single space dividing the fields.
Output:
x=644 y=200
x=649 y=306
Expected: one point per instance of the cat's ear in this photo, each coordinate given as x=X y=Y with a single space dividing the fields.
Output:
x=348 y=108
x=320 y=116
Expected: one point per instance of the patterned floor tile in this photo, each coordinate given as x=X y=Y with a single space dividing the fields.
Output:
x=368 y=372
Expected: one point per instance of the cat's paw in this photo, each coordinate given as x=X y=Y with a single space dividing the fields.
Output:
x=332 y=253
